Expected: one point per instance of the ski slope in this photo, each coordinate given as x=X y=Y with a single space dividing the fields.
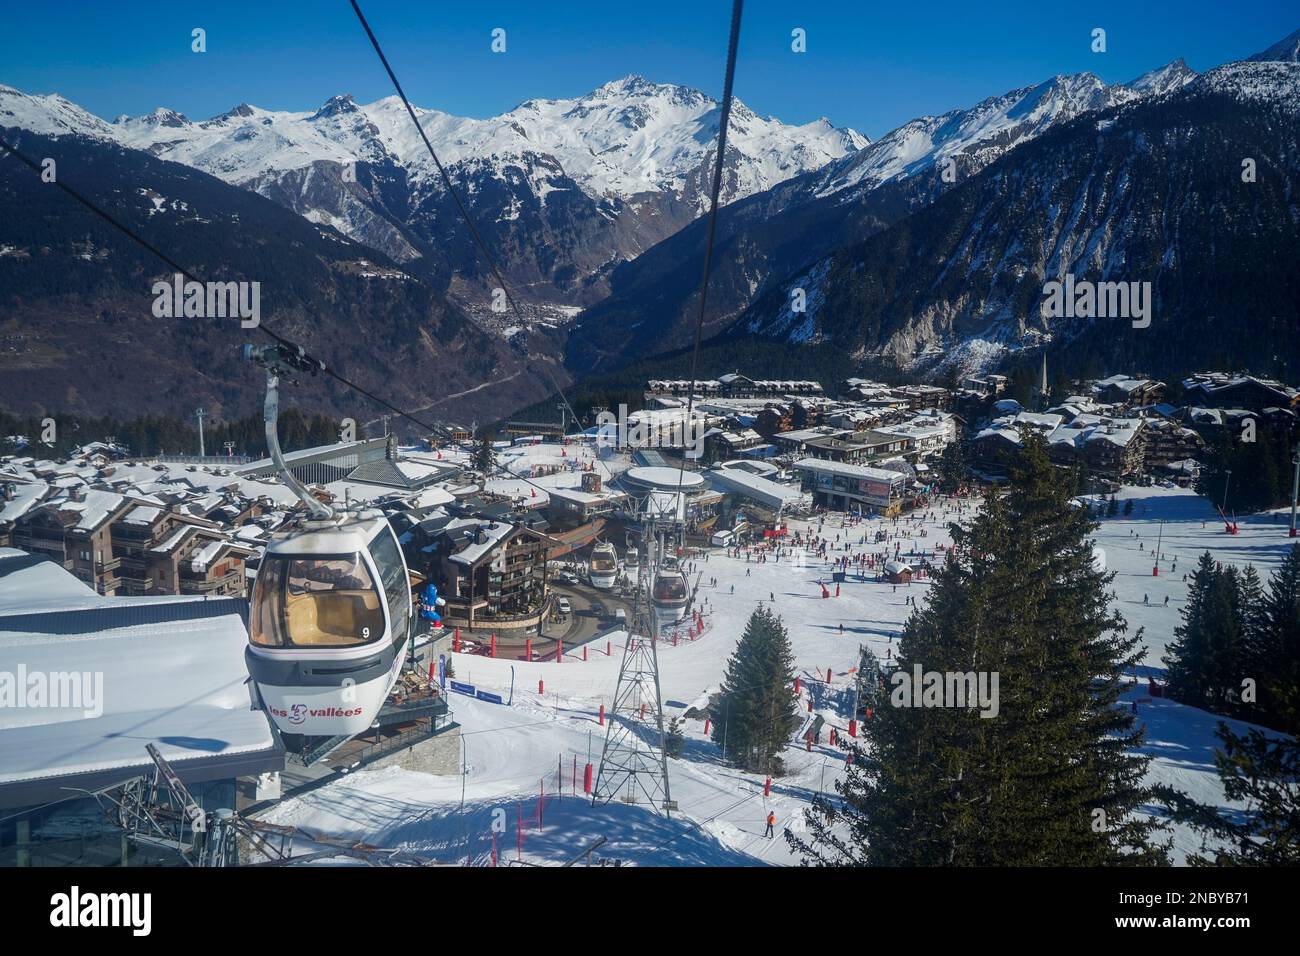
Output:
x=512 y=754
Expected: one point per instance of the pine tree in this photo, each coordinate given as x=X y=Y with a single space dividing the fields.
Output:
x=754 y=713
x=1204 y=660
x=1274 y=658
x=1112 y=507
x=485 y=455
x=952 y=467
x=1128 y=508
x=1248 y=658
x=1053 y=778
x=1262 y=772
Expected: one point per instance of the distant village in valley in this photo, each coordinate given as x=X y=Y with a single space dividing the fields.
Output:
x=188 y=524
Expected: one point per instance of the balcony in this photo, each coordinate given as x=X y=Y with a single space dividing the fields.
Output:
x=208 y=586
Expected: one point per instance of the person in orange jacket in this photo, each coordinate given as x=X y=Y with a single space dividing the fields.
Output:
x=771 y=825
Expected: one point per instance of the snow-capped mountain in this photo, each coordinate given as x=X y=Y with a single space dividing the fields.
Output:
x=77 y=298
x=598 y=177
x=1128 y=195
x=973 y=138
x=1287 y=50
x=50 y=115
x=791 y=224
x=1168 y=78
x=626 y=138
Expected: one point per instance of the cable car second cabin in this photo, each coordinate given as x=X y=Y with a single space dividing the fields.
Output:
x=669 y=596
x=329 y=624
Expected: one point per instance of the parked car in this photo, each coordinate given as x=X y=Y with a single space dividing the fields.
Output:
x=564 y=606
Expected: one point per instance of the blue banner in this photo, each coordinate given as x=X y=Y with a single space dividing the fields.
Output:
x=461 y=688
x=490 y=698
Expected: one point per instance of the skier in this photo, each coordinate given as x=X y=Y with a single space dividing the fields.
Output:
x=770 y=832
x=1166 y=600
x=1146 y=599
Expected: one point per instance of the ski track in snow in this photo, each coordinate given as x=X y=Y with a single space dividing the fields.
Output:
x=511 y=752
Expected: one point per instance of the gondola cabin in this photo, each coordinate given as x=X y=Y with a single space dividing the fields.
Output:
x=329 y=624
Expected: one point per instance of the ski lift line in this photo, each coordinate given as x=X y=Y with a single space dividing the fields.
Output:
x=737 y=7
x=460 y=205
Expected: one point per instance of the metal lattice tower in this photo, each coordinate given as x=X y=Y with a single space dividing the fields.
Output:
x=634 y=764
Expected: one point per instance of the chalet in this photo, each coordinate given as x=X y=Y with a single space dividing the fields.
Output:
x=1112 y=448
x=492 y=573
x=74 y=530
x=989 y=386
x=723 y=445
x=858 y=447
x=731 y=385
x=1221 y=390
x=1168 y=442
x=898 y=572
x=1127 y=392
x=199 y=558
x=919 y=397
x=993 y=449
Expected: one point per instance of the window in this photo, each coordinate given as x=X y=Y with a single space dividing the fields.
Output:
x=397 y=586
x=315 y=602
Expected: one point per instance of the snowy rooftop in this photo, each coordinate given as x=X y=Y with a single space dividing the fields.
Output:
x=92 y=507
x=494 y=533
x=762 y=490
x=846 y=470
x=163 y=670
x=26 y=495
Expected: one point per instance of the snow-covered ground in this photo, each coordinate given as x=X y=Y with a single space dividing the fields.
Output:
x=513 y=753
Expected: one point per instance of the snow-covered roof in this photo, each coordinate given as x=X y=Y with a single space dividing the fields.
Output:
x=205 y=555
x=173 y=540
x=26 y=495
x=164 y=670
x=142 y=515
x=494 y=532
x=92 y=509
x=847 y=470
x=762 y=490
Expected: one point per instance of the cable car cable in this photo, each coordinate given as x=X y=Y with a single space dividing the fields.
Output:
x=464 y=212
x=733 y=42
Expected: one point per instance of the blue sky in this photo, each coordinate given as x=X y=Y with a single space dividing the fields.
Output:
x=868 y=65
